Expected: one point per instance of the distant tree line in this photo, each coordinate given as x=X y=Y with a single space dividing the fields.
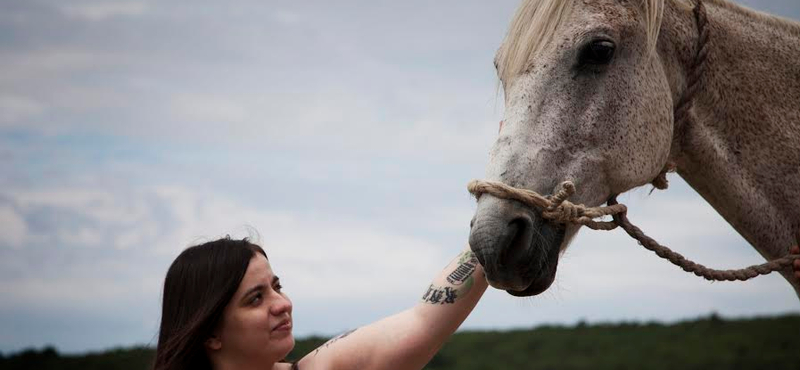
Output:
x=709 y=343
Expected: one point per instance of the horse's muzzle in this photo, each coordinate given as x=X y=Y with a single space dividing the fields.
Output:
x=517 y=248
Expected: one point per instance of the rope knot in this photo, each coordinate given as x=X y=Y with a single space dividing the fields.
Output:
x=566 y=212
x=560 y=209
x=555 y=208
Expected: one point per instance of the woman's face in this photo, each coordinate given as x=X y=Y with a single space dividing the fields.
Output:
x=257 y=323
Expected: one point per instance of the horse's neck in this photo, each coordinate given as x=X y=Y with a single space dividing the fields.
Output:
x=741 y=150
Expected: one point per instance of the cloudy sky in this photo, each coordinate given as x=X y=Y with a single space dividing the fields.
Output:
x=343 y=132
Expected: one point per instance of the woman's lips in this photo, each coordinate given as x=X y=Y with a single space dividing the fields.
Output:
x=285 y=326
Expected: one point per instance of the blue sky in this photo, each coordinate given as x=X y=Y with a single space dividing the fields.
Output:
x=344 y=133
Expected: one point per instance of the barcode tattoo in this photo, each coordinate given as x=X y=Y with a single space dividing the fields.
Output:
x=462 y=272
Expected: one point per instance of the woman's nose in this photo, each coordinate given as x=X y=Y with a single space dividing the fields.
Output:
x=281 y=305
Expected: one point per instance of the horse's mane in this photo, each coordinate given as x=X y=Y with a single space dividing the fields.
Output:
x=536 y=21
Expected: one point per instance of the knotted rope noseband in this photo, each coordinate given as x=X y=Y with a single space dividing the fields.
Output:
x=558 y=209
x=555 y=208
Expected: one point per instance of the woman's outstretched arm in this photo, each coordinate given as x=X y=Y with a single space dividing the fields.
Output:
x=409 y=339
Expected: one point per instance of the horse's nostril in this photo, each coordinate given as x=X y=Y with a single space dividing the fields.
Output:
x=521 y=233
x=517 y=222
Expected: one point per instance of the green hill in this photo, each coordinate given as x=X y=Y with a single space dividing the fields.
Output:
x=707 y=344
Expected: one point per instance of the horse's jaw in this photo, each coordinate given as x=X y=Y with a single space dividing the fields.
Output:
x=517 y=248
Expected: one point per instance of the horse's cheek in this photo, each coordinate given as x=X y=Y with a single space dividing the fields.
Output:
x=658 y=129
x=643 y=138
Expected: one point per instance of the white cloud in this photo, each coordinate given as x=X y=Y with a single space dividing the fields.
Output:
x=309 y=247
x=209 y=108
x=14 y=228
x=99 y=11
x=45 y=66
x=286 y=17
x=351 y=261
x=82 y=236
x=86 y=99
x=14 y=108
x=68 y=292
x=101 y=205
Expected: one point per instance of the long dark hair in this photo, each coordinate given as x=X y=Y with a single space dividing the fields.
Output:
x=199 y=284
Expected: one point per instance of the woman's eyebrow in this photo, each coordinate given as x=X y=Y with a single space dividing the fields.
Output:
x=259 y=287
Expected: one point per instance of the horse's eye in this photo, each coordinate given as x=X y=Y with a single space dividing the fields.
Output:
x=597 y=52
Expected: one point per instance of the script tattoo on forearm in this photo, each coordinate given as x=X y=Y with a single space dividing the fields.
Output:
x=333 y=340
x=440 y=295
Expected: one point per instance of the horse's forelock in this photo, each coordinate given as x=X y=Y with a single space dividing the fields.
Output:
x=535 y=24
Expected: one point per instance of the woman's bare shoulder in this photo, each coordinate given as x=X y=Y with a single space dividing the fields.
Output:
x=328 y=355
x=310 y=362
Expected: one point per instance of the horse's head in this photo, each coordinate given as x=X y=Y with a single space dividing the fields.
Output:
x=587 y=100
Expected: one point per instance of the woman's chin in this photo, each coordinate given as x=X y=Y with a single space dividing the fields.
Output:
x=285 y=344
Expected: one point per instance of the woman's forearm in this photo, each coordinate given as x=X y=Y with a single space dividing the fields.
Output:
x=451 y=296
x=409 y=339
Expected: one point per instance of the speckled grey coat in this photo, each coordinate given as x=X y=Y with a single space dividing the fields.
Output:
x=610 y=129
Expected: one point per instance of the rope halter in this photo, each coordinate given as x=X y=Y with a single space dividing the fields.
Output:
x=558 y=209
x=555 y=208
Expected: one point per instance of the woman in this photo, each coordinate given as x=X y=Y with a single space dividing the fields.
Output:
x=224 y=309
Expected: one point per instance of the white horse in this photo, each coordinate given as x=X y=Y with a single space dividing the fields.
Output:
x=591 y=88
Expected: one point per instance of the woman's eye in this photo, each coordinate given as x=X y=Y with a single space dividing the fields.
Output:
x=256 y=299
x=598 y=52
x=278 y=288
